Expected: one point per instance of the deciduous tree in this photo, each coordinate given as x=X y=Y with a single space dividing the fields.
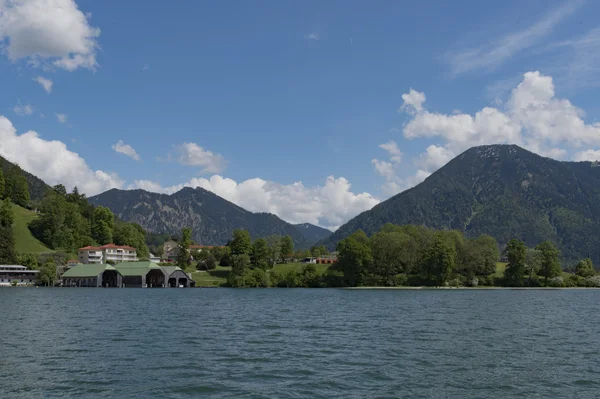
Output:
x=515 y=271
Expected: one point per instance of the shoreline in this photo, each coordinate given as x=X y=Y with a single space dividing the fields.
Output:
x=470 y=288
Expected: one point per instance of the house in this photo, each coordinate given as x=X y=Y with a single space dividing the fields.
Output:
x=17 y=275
x=309 y=260
x=327 y=260
x=154 y=258
x=107 y=253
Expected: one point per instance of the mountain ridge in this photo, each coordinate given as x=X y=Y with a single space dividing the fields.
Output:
x=211 y=217
x=501 y=190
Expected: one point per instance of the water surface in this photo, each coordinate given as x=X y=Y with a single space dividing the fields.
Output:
x=298 y=343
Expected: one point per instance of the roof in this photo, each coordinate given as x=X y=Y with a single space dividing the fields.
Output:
x=12 y=266
x=111 y=246
x=107 y=246
x=89 y=248
x=86 y=270
x=136 y=268
x=72 y=261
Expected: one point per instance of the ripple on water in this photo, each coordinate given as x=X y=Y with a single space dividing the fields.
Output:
x=298 y=343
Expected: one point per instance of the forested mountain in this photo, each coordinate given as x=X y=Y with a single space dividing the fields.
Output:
x=312 y=233
x=504 y=191
x=211 y=217
x=37 y=187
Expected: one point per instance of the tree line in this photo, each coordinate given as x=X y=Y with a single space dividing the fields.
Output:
x=418 y=256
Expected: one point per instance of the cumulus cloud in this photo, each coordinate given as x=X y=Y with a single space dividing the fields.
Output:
x=52 y=161
x=46 y=83
x=191 y=154
x=23 y=110
x=393 y=184
x=62 y=118
x=533 y=117
x=412 y=101
x=126 y=149
x=329 y=205
x=392 y=148
x=52 y=31
x=587 y=155
x=312 y=36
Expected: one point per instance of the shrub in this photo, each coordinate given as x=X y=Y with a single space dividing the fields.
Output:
x=593 y=281
x=556 y=282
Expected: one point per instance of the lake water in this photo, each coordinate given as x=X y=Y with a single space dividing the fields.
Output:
x=298 y=343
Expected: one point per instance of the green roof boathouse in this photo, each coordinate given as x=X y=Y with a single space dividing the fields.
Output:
x=127 y=274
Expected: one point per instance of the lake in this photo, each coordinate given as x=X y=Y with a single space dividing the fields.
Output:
x=298 y=343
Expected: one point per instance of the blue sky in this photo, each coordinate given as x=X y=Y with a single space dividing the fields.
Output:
x=314 y=111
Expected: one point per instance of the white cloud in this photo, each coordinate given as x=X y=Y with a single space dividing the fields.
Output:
x=533 y=117
x=23 y=110
x=393 y=184
x=52 y=162
x=62 y=118
x=329 y=205
x=126 y=149
x=55 y=31
x=392 y=148
x=312 y=36
x=46 y=83
x=434 y=158
x=587 y=155
x=191 y=154
x=495 y=52
x=412 y=101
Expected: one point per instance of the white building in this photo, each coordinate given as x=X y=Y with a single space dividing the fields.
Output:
x=154 y=258
x=106 y=253
x=16 y=273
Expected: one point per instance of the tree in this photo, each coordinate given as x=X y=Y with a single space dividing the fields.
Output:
x=8 y=252
x=29 y=260
x=550 y=265
x=239 y=268
x=533 y=262
x=133 y=235
x=287 y=247
x=206 y=260
x=241 y=243
x=318 y=251
x=439 y=261
x=260 y=253
x=183 y=257
x=47 y=272
x=274 y=247
x=60 y=190
x=390 y=255
x=222 y=255
x=355 y=257
x=478 y=257
x=585 y=268
x=515 y=271
x=2 y=185
x=103 y=225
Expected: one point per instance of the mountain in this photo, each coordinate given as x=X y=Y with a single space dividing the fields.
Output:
x=504 y=191
x=312 y=233
x=37 y=187
x=211 y=217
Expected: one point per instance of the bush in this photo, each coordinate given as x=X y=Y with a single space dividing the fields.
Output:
x=14 y=283
x=593 y=281
x=400 y=279
x=455 y=282
x=556 y=282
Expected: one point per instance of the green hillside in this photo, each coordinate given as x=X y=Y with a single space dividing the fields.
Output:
x=25 y=242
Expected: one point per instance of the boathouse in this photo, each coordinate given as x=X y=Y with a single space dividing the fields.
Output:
x=92 y=275
x=151 y=275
